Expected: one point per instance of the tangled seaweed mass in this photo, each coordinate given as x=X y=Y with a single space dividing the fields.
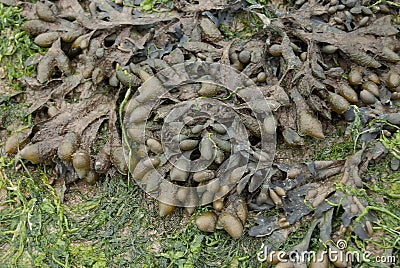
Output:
x=194 y=116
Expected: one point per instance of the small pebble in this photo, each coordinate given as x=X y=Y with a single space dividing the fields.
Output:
x=374 y=78
x=303 y=56
x=349 y=17
x=363 y=21
x=356 y=10
x=349 y=3
x=366 y=10
x=340 y=7
x=332 y=10
x=244 y=56
x=367 y=97
x=393 y=80
x=100 y=52
x=394 y=163
x=261 y=77
x=338 y=20
x=355 y=77
x=349 y=115
x=384 y=8
x=275 y=50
